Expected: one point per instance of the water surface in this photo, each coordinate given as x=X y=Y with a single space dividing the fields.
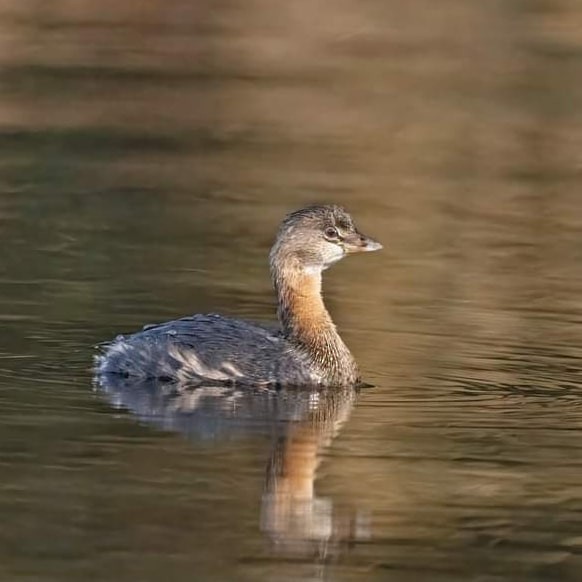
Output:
x=147 y=155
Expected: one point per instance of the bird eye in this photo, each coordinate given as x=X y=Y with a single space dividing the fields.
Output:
x=331 y=233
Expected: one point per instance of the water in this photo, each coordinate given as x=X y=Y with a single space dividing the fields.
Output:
x=148 y=152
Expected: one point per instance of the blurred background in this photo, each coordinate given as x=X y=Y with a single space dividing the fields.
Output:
x=148 y=151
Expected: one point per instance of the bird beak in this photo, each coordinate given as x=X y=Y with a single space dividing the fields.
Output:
x=359 y=243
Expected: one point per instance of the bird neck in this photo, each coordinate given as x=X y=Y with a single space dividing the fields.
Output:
x=307 y=323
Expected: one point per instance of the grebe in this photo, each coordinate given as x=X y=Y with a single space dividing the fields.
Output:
x=305 y=350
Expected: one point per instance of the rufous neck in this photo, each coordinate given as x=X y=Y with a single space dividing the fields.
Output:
x=301 y=310
x=306 y=322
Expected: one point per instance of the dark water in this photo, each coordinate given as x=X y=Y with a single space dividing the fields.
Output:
x=147 y=152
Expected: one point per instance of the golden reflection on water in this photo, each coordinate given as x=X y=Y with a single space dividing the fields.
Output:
x=303 y=422
x=148 y=151
x=292 y=514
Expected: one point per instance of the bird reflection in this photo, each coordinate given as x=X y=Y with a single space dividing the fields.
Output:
x=303 y=422
x=296 y=519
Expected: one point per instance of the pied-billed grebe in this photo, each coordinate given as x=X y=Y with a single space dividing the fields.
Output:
x=306 y=350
